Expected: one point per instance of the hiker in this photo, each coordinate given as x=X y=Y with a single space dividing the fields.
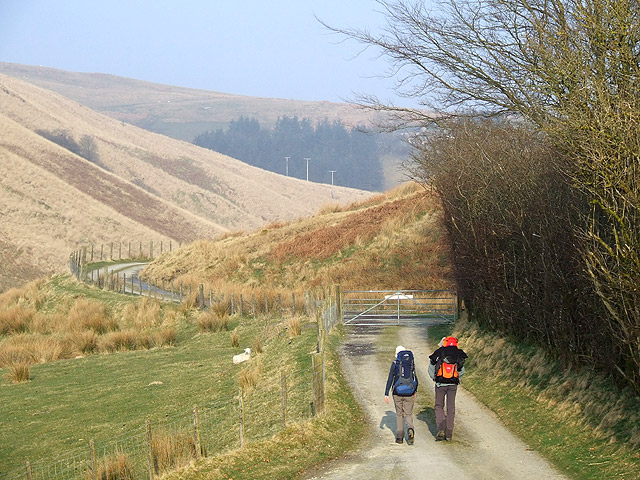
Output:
x=405 y=385
x=446 y=366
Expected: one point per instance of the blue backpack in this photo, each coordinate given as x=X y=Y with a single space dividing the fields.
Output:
x=406 y=383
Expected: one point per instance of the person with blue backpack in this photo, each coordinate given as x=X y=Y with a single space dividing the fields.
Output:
x=402 y=378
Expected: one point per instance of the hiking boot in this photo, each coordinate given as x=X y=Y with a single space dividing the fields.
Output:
x=398 y=439
x=410 y=436
x=440 y=436
x=448 y=436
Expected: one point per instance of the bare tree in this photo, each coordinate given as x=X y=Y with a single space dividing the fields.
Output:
x=571 y=68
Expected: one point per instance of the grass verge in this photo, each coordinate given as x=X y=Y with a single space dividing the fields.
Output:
x=574 y=418
x=298 y=448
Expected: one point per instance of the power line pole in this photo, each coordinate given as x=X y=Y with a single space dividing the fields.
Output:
x=332 y=172
x=307 y=159
x=287 y=168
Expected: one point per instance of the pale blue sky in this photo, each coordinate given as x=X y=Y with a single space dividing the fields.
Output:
x=252 y=47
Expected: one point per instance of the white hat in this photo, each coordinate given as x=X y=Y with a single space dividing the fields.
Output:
x=399 y=348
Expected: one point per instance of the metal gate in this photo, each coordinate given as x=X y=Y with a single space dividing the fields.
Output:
x=396 y=307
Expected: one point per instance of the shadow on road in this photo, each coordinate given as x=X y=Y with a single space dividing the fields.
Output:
x=389 y=421
x=428 y=416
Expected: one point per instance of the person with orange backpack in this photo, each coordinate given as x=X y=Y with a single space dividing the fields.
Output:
x=446 y=366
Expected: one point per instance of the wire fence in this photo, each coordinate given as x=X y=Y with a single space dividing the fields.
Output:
x=255 y=412
x=252 y=414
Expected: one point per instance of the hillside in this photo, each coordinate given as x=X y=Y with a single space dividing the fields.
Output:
x=390 y=241
x=177 y=112
x=137 y=186
x=184 y=113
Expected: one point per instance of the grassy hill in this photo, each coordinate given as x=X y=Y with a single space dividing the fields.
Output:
x=135 y=185
x=390 y=241
x=175 y=111
x=183 y=113
x=103 y=363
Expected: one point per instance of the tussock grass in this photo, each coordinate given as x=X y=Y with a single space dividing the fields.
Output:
x=256 y=345
x=235 y=338
x=113 y=467
x=60 y=319
x=250 y=375
x=213 y=321
x=15 y=319
x=171 y=451
x=19 y=372
x=294 y=326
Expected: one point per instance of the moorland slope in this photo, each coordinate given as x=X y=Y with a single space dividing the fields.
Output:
x=136 y=185
x=177 y=112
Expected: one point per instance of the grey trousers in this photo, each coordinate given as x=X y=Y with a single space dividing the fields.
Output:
x=446 y=394
x=404 y=413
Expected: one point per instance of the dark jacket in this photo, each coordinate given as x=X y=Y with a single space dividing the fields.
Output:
x=394 y=373
x=454 y=354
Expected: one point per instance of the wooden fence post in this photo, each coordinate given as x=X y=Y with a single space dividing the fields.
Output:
x=241 y=303
x=111 y=251
x=317 y=363
x=129 y=254
x=283 y=392
x=119 y=250
x=92 y=253
x=253 y=305
x=28 y=465
x=151 y=249
x=201 y=296
x=149 y=451
x=101 y=250
x=241 y=404
x=293 y=304
x=196 y=427
x=92 y=447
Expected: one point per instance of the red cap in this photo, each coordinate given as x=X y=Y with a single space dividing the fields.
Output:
x=449 y=341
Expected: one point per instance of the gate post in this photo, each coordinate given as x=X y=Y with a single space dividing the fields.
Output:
x=338 y=290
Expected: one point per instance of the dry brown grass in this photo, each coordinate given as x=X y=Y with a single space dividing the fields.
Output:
x=113 y=467
x=15 y=319
x=18 y=372
x=171 y=451
x=212 y=321
x=294 y=326
x=250 y=375
x=235 y=338
x=394 y=240
x=214 y=194
x=86 y=314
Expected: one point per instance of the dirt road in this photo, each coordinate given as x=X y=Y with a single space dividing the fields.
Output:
x=481 y=449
